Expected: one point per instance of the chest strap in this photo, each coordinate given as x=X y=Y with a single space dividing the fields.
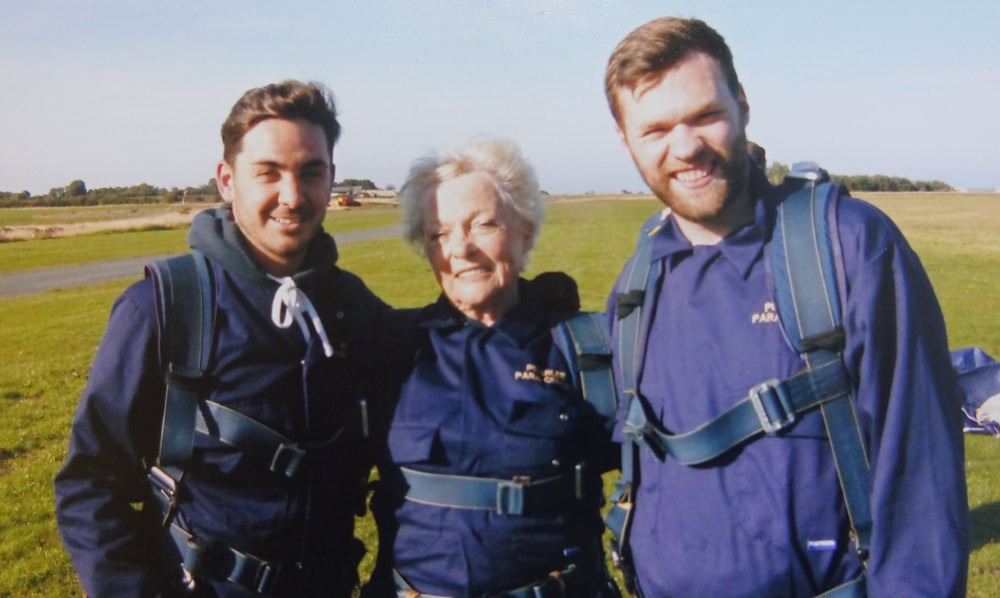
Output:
x=516 y=496
x=768 y=408
x=557 y=584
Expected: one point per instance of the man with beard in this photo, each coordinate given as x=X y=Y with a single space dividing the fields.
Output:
x=276 y=460
x=767 y=517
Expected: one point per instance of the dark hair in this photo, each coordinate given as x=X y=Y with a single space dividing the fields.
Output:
x=290 y=100
x=658 y=45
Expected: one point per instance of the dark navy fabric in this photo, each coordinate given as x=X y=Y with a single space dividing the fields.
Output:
x=490 y=402
x=768 y=519
x=267 y=373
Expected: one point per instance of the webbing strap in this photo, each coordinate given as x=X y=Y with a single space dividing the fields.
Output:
x=283 y=454
x=185 y=299
x=213 y=560
x=557 y=584
x=633 y=320
x=515 y=496
x=809 y=304
x=770 y=407
x=590 y=358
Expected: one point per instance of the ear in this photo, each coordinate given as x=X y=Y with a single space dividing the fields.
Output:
x=333 y=173
x=224 y=181
x=741 y=101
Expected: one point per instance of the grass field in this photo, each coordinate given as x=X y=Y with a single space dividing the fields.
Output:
x=47 y=342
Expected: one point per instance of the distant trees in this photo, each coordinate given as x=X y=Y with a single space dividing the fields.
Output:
x=76 y=188
x=866 y=182
x=365 y=184
x=77 y=194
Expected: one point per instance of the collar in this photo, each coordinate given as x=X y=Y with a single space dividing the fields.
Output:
x=521 y=323
x=742 y=247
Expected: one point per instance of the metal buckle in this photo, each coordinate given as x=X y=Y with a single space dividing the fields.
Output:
x=510 y=495
x=255 y=573
x=778 y=401
x=164 y=484
x=264 y=580
x=286 y=459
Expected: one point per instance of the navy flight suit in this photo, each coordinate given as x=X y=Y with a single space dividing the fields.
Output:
x=229 y=499
x=490 y=402
x=767 y=518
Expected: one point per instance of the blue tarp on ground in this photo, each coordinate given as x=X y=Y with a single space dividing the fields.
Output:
x=979 y=375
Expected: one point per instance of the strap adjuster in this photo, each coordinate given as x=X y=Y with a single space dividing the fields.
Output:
x=510 y=495
x=772 y=405
x=259 y=575
x=287 y=458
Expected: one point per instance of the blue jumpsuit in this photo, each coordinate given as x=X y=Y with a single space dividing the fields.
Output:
x=230 y=497
x=490 y=402
x=767 y=518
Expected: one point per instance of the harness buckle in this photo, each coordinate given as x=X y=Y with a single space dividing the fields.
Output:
x=510 y=495
x=264 y=580
x=287 y=458
x=163 y=482
x=772 y=405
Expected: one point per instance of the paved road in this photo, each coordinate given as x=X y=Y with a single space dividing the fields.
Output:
x=27 y=282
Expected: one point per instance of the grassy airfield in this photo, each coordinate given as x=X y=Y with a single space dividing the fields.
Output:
x=47 y=340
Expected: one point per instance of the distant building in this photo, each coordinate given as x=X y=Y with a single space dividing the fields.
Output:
x=350 y=195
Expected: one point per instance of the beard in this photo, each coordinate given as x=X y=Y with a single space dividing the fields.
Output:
x=713 y=203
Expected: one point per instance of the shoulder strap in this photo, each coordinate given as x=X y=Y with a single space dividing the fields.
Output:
x=186 y=305
x=632 y=315
x=805 y=259
x=586 y=348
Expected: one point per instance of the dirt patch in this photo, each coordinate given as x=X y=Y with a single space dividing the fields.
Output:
x=136 y=221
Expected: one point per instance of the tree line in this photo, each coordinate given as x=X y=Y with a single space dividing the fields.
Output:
x=866 y=182
x=76 y=193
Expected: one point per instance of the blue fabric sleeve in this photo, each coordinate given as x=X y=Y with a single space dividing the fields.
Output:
x=908 y=401
x=115 y=546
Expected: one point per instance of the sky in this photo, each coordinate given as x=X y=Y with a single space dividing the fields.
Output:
x=122 y=92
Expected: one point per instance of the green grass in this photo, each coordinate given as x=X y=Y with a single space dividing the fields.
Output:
x=47 y=342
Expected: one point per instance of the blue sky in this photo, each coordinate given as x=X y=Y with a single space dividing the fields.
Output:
x=120 y=92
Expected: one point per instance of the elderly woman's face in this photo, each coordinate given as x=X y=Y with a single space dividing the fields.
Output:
x=476 y=246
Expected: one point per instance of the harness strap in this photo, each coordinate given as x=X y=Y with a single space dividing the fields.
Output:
x=769 y=408
x=252 y=437
x=217 y=561
x=589 y=357
x=557 y=584
x=516 y=496
x=809 y=303
x=186 y=314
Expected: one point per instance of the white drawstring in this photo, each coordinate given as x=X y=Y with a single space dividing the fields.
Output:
x=289 y=303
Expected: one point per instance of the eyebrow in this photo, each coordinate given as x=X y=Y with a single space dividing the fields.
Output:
x=314 y=163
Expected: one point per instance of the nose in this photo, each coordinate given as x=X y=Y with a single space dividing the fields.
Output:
x=290 y=191
x=685 y=142
x=457 y=244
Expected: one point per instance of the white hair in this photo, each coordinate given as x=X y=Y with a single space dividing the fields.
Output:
x=500 y=159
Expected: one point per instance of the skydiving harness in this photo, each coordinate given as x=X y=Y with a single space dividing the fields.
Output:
x=186 y=304
x=584 y=345
x=804 y=263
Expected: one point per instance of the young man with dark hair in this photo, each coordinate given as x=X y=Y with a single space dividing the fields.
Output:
x=767 y=516
x=277 y=463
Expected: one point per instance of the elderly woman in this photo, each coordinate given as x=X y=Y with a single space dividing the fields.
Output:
x=492 y=482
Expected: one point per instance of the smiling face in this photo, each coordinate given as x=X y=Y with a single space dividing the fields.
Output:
x=686 y=133
x=279 y=187
x=475 y=245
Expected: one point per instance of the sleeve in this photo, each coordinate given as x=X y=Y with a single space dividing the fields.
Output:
x=909 y=404
x=117 y=545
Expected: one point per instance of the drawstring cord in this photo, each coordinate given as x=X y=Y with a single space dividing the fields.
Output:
x=290 y=303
